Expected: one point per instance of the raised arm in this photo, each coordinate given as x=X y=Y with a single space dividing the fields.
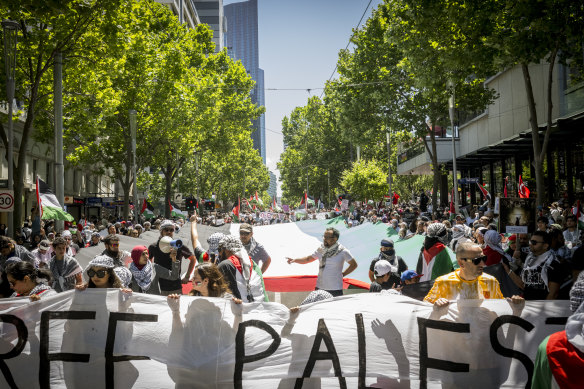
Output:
x=194 y=232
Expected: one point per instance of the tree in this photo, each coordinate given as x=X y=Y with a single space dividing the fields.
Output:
x=396 y=78
x=45 y=30
x=365 y=180
x=507 y=33
x=315 y=152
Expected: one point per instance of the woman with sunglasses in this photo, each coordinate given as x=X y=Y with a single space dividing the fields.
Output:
x=145 y=274
x=208 y=281
x=100 y=274
x=26 y=280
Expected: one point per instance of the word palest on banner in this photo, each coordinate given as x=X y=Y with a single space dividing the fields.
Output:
x=108 y=339
x=272 y=215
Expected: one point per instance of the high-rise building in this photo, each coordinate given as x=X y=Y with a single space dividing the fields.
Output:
x=273 y=187
x=242 y=44
x=184 y=9
x=193 y=12
x=211 y=13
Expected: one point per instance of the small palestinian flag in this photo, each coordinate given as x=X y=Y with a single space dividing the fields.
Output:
x=147 y=209
x=48 y=204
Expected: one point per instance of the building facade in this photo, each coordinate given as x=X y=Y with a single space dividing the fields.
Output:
x=184 y=9
x=211 y=13
x=497 y=142
x=243 y=45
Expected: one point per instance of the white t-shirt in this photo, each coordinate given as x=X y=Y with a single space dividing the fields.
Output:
x=331 y=276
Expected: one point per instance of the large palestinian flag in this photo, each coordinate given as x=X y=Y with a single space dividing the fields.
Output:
x=303 y=238
x=49 y=206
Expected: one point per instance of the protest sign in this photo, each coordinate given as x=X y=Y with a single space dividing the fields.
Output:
x=103 y=339
x=517 y=215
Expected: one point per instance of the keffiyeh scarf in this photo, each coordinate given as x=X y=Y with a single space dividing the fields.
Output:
x=64 y=278
x=328 y=252
x=144 y=276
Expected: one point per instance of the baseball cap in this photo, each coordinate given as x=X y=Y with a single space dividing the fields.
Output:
x=245 y=227
x=409 y=274
x=382 y=267
x=44 y=244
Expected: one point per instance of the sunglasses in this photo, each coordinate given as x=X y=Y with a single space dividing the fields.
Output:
x=244 y=233
x=100 y=273
x=477 y=260
x=534 y=242
x=115 y=245
x=168 y=230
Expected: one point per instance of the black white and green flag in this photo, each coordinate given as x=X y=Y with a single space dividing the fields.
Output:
x=49 y=206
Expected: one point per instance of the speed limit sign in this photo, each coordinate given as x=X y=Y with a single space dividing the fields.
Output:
x=6 y=200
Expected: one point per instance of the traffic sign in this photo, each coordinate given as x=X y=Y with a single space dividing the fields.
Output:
x=6 y=200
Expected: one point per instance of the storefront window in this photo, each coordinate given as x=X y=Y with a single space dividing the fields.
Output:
x=499 y=179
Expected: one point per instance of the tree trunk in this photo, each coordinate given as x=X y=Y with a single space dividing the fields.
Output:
x=538 y=151
x=167 y=191
x=126 y=189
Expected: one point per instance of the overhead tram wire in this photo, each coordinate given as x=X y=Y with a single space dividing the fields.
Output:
x=348 y=43
x=217 y=86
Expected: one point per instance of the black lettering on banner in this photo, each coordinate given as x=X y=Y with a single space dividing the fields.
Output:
x=45 y=357
x=433 y=363
x=22 y=333
x=110 y=358
x=559 y=321
x=240 y=357
x=507 y=352
x=322 y=334
x=362 y=350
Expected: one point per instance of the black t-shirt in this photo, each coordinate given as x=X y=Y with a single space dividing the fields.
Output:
x=556 y=272
x=164 y=260
x=577 y=260
x=393 y=278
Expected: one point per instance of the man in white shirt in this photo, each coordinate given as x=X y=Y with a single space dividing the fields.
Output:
x=332 y=257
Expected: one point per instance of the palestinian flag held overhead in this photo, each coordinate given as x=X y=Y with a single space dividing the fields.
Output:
x=48 y=204
x=175 y=211
x=236 y=209
x=484 y=191
x=147 y=209
x=275 y=206
x=577 y=211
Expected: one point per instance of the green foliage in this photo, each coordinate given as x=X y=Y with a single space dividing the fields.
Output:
x=365 y=180
x=315 y=152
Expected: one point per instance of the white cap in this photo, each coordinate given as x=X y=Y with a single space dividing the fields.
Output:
x=382 y=267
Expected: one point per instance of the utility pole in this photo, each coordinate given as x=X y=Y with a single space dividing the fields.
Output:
x=58 y=102
x=132 y=114
x=451 y=111
x=328 y=177
x=388 y=162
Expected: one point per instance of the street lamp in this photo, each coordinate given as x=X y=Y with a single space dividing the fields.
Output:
x=451 y=108
x=10 y=28
x=132 y=113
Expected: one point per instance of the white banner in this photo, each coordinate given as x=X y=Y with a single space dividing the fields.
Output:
x=367 y=340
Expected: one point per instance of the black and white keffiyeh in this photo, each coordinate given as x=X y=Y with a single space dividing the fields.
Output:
x=143 y=277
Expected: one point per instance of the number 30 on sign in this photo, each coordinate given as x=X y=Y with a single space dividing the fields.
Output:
x=6 y=200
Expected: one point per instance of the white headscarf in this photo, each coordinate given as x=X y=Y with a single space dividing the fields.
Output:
x=493 y=240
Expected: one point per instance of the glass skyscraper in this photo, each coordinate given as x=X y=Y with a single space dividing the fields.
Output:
x=242 y=44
